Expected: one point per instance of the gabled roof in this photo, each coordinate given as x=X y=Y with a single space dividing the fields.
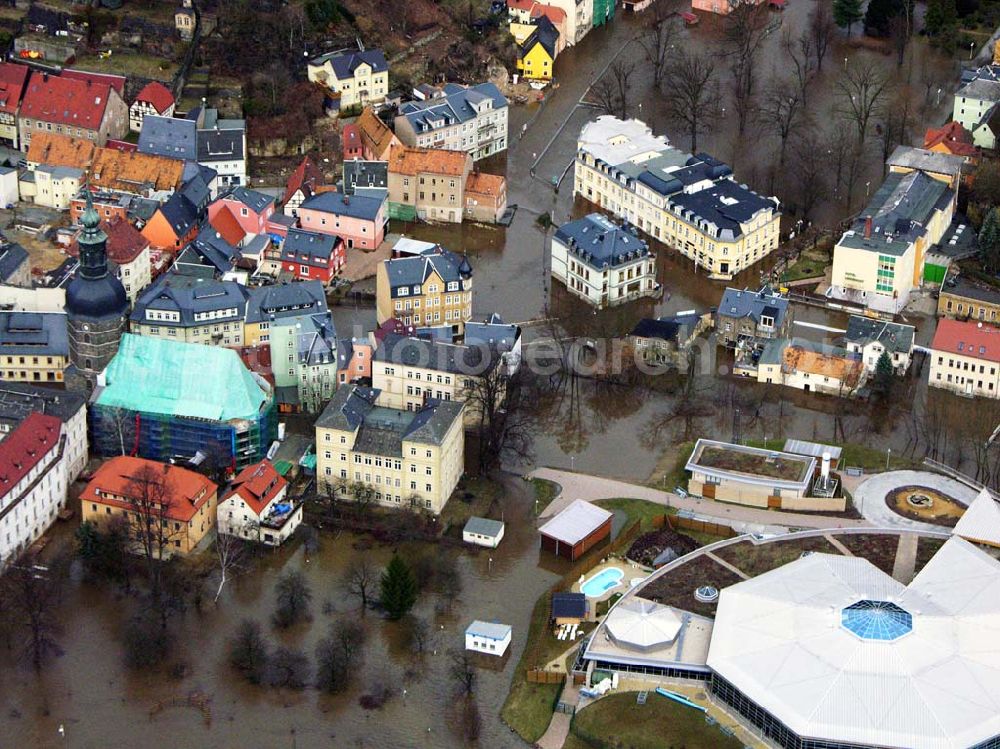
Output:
x=224 y=142
x=545 y=34
x=457 y=104
x=952 y=136
x=908 y=157
x=981 y=520
x=156 y=94
x=893 y=336
x=415 y=269
x=255 y=201
x=665 y=328
x=305 y=177
x=184 y=491
x=346 y=62
x=257 y=485
x=412 y=161
x=180 y=213
x=576 y=522
x=130 y=170
x=309 y=246
x=365 y=207
x=24 y=448
x=228 y=227
x=741 y=303
x=275 y=301
x=168 y=136
x=125 y=242
x=971 y=339
x=375 y=134
x=65 y=101
x=117 y=82
x=12 y=80
x=490 y=185
x=554 y=13
x=360 y=174
x=55 y=149
x=600 y=243
x=12 y=257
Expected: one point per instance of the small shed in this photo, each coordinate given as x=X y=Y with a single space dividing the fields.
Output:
x=483 y=532
x=576 y=529
x=814 y=450
x=491 y=638
x=568 y=608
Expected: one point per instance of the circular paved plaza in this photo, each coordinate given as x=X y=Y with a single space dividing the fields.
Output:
x=870 y=497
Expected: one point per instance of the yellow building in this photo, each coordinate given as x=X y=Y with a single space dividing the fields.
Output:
x=536 y=56
x=425 y=285
x=354 y=79
x=147 y=493
x=690 y=203
x=34 y=346
x=387 y=455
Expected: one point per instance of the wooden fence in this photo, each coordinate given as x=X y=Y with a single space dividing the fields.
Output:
x=537 y=676
x=705 y=526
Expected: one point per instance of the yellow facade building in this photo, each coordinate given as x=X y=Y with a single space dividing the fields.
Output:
x=34 y=346
x=690 y=203
x=354 y=78
x=390 y=456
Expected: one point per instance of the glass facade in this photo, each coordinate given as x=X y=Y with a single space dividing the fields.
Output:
x=876 y=620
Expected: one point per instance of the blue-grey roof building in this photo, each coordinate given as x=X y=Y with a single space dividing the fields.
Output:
x=746 y=318
x=603 y=263
x=360 y=176
x=169 y=136
x=353 y=78
x=430 y=288
x=34 y=346
x=191 y=309
x=457 y=118
x=691 y=203
x=15 y=270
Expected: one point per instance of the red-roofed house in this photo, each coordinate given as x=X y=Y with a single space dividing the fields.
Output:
x=965 y=358
x=33 y=482
x=79 y=108
x=117 y=82
x=129 y=251
x=184 y=501
x=250 y=208
x=353 y=147
x=303 y=184
x=557 y=16
x=224 y=222
x=255 y=508
x=12 y=80
x=155 y=99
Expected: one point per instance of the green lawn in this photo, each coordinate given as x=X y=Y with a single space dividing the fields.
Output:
x=635 y=509
x=529 y=707
x=810 y=264
x=617 y=721
x=545 y=492
x=854 y=454
x=144 y=66
x=472 y=497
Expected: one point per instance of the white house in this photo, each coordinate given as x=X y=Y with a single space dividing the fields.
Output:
x=255 y=508
x=603 y=263
x=869 y=338
x=483 y=532
x=155 y=99
x=974 y=106
x=33 y=482
x=490 y=638
x=8 y=186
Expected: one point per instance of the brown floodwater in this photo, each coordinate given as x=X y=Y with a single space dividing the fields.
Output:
x=100 y=704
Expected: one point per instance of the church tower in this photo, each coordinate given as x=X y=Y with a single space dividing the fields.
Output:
x=96 y=304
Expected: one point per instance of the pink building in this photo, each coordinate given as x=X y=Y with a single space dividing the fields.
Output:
x=251 y=209
x=354 y=360
x=360 y=220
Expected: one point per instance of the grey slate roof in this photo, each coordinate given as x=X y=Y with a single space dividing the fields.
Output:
x=600 y=243
x=383 y=430
x=210 y=249
x=437 y=355
x=168 y=136
x=180 y=213
x=220 y=139
x=666 y=328
x=413 y=270
x=725 y=205
x=909 y=157
x=12 y=257
x=895 y=337
x=545 y=33
x=309 y=247
x=197 y=192
x=963 y=287
x=983 y=89
x=740 y=303
x=38 y=333
x=360 y=174
x=364 y=207
x=255 y=201
x=344 y=63
x=459 y=104
x=20 y=399
x=286 y=299
x=316 y=339
x=492 y=331
x=483 y=527
x=188 y=295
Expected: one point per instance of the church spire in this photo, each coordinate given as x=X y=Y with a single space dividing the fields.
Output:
x=93 y=243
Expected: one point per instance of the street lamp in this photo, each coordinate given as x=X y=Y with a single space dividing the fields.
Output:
x=938 y=98
x=845 y=63
x=868 y=184
x=888 y=452
x=972 y=47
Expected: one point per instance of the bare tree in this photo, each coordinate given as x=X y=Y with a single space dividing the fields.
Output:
x=462 y=671
x=896 y=125
x=612 y=90
x=29 y=593
x=230 y=551
x=657 y=43
x=248 y=651
x=809 y=175
x=799 y=52
x=861 y=90
x=123 y=427
x=506 y=424
x=781 y=109
x=361 y=580
x=294 y=599
x=691 y=92
x=745 y=29
x=337 y=654
x=822 y=29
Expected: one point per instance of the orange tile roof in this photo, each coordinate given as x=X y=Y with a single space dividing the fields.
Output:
x=952 y=136
x=126 y=171
x=225 y=223
x=827 y=365
x=409 y=160
x=375 y=134
x=60 y=150
x=257 y=485
x=185 y=491
x=486 y=184
x=305 y=177
x=554 y=14
x=125 y=242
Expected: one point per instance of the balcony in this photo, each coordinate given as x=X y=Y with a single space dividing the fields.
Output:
x=280 y=514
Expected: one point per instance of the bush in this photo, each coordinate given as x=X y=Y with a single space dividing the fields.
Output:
x=294 y=599
x=337 y=655
x=248 y=652
x=289 y=668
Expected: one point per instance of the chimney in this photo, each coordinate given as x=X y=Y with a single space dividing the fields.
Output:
x=868 y=227
x=826 y=468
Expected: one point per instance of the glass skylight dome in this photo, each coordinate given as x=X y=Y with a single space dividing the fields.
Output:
x=876 y=620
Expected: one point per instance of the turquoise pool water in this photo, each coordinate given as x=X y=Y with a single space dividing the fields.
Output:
x=602 y=582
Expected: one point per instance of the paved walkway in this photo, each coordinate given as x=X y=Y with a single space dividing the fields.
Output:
x=735 y=570
x=838 y=546
x=906 y=558
x=742 y=519
x=555 y=735
x=869 y=497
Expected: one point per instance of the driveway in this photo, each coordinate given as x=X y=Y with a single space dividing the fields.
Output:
x=742 y=519
x=869 y=497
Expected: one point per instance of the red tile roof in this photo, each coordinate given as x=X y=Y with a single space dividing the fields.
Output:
x=25 y=447
x=971 y=339
x=554 y=14
x=12 y=80
x=117 y=82
x=65 y=101
x=157 y=94
x=520 y=4
x=225 y=223
x=125 y=242
x=186 y=491
x=954 y=137
x=257 y=485
x=306 y=176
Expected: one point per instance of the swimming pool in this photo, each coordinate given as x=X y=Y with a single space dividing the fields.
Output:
x=602 y=582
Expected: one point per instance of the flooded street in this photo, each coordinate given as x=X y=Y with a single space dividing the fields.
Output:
x=100 y=704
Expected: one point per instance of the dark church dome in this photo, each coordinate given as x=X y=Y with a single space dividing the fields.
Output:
x=93 y=292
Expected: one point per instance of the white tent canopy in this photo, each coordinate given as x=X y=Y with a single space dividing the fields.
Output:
x=981 y=521
x=643 y=625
